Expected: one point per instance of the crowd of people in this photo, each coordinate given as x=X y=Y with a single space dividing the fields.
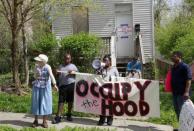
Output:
x=42 y=91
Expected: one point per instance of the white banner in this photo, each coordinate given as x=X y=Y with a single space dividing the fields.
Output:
x=120 y=97
x=186 y=119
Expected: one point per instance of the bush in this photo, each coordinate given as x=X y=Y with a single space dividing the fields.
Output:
x=5 y=42
x=167 y=37
x=177 y=35
x=83 y=48
x=5 y=61
x=186 y=45
x=47 y=44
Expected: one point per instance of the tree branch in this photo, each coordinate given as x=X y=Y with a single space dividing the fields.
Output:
x=9 y=5
x=4 y=7
x=28 y=19
x=6 y=12
x=20 y=2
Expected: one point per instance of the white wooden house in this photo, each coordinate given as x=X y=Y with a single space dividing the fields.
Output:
x=117 y=17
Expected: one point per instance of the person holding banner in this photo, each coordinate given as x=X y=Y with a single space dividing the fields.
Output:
x=41 y=91
x=66 y=87
x=180 y=81
x=107 y=73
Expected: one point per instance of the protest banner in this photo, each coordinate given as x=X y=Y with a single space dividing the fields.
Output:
x=186 y=119
x=120 y=97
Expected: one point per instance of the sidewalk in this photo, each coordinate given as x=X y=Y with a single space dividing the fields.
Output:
x=19 y=120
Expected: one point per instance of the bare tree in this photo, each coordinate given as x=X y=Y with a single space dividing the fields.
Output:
x=187 y=8
x=159 y=7
x=17 y=13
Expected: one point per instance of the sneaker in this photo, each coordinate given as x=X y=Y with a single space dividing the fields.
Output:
x=109 y=120
x=56 y=120
x=69 y=118
x=101 y=121
x=35 y=123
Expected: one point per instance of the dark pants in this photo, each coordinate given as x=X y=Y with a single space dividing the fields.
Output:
x=66 y=93
x=178 y=101
x=103 y=118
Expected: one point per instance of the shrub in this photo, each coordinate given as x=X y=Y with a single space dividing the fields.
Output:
x=5 y=61
x=167 y=37
x=83 y=48
x=185 y=44
x=46 y=44
x=177 y=35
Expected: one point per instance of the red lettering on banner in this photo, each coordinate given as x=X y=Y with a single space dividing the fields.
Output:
x=117 y=93
x=106 y=107
x=112 y=108
x=134 y=107
x=121 y=109
x=125 y=90
x=93 y=91
x=103 y=87
x=111 y=97
x=82 y=84
x=142 y=88
x=143 y=108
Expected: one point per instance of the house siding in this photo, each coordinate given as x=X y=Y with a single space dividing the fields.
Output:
x=102 y=22
x=62 y=24
x=143 y=15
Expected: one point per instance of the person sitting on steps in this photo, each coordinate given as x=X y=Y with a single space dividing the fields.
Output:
x=134 y=68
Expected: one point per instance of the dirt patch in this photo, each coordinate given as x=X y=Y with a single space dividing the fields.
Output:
x=12 y=90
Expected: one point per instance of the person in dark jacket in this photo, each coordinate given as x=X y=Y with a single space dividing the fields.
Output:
x=181 y=81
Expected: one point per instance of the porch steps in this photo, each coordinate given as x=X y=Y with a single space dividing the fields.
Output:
x=122 y=65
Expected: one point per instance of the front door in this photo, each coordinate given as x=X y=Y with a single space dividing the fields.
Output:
x=124 y=42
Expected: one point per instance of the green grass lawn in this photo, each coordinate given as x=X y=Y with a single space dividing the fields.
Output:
x=22 y=104
x=167 y=114
x=6 y=128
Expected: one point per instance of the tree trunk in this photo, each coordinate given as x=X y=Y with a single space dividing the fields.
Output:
x=15 y=60
x=25 y=57
x=15 y=47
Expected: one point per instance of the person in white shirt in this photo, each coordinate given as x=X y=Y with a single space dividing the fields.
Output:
x=107 y=73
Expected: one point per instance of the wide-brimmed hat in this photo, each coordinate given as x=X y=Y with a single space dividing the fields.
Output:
x=42 y=58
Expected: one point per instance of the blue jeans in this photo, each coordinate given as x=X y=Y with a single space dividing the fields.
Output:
x=178 y=101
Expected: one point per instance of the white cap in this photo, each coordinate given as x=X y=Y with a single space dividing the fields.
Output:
x=42 y=58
